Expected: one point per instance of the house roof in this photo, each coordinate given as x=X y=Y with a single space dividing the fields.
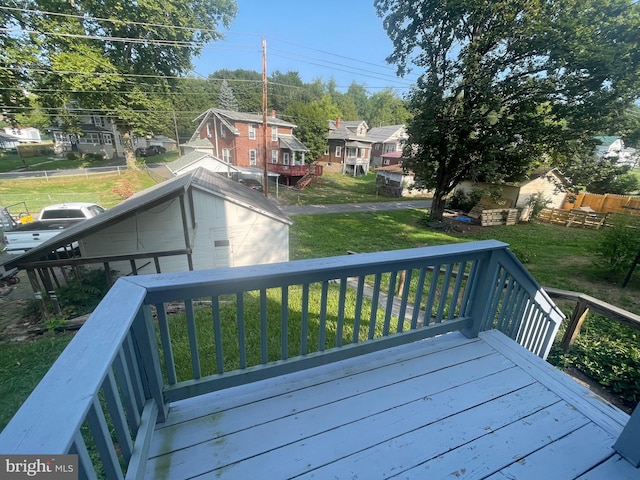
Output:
x=397 y=168
x=292 y=143
x=388 y=132
x=194 y=157
x=84 y=127
x=348 y=130
x=201 y=179
x=198 y=143
x=163 y=139
x=607 y=140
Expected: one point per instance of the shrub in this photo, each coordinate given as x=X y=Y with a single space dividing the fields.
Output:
x=537 y=203
x=81 y=295
x=72 y=156
x=619 y=245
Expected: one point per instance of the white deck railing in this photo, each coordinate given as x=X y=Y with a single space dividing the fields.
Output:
x=159 y=338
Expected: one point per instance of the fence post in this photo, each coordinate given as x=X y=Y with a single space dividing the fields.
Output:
x=578 y=317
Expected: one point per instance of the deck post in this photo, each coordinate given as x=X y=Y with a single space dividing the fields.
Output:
x=484 y=282
x=627 y=443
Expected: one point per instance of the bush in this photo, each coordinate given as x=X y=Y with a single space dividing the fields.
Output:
x=72 y=156
x=81 y=295
x=537 y=203
x=619 y=245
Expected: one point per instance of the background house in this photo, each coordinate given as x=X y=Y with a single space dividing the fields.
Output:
x=198 y=220
x=22 y=135
x=548 y=183
x=614 y=147
x=387 y=139
x=348 y=147
x=392 y=181
x=96 y=134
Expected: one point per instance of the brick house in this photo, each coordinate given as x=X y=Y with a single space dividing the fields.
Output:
x=387 y=144
x=237 y=138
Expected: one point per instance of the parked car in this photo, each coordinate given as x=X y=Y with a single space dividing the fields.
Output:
x=149 y=151
x=251 y=183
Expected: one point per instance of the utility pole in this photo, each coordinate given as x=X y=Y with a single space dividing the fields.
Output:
x=175 y=125
x=264 y=117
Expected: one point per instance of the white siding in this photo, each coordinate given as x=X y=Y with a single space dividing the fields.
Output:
x=226 y=234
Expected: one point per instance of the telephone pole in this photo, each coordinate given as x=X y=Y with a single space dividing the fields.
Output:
x=264 y=118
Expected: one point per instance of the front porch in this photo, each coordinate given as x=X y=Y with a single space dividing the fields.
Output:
x=319 y=369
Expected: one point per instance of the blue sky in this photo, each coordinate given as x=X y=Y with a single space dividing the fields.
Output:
x=343 y=39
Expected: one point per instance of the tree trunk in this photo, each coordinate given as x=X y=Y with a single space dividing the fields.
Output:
x=438 y=204
x=129 y=154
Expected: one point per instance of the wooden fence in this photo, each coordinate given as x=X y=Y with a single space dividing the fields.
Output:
x=607 y=203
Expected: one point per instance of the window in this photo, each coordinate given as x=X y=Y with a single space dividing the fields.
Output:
x=386 y=161
x=389 y=147
x=61 y=137
x=338 y=151
x=285 y=158
x=90 y=138
x=326 y=151
x=252 y=131
x=106 y=138
x=226 y=155
x=253 y=155
x=274 y=134
x=377 y=146
x=97 y=120
x=274 y=156
x=223 y=131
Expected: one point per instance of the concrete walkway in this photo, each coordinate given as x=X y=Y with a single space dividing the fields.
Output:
x=353 y=207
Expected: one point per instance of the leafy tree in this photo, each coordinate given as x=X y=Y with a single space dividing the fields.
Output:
x=600 y=175
x=246 y=85
x=226 y=99
x=386 y=108
x=361 y=99
x=500 y=75
x=311 y=126
x=116 y=59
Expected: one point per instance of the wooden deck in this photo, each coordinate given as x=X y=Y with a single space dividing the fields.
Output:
x=447 y=407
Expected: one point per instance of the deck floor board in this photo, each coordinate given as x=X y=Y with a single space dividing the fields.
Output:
x=445 y=407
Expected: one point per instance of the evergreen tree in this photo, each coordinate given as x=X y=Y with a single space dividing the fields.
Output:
x=226 y=98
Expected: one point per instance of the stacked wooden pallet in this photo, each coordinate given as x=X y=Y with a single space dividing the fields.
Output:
x=574 y=218
x=499 y=216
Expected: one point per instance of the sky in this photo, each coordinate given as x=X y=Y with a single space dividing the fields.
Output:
x=339 y=39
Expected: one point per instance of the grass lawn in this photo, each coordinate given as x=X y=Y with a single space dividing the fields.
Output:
x=37 y=192
x=333 y=189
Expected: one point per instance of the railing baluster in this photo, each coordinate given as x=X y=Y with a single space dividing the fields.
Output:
x=444 y=293
x=284 y=323
x=418 y=298
x=406 y=288
x=357 y=319
x=100 y=430
x=389 y=307
x=217 y=334
x=322 y=334
x=242 y=346
x=129 y=399
x=340 y=320
x=374 y=306
x=454 y=308
x=264 y=332
x=507 y=293
x=495 y=295
x=85 y=465
x=518 y=313
x=165 y=340
x=118 y=418
x=130 y=362
x=304 y=330
x=193 y=338
x=432 y=294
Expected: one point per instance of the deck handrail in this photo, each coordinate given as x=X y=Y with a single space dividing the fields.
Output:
x=116 y=376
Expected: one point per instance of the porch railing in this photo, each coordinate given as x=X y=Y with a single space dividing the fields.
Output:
x=159 y=338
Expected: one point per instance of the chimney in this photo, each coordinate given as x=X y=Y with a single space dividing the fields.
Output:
x=273 y=113
x=338 y=122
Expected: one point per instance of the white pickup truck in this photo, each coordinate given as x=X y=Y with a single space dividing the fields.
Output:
x=50 y=222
